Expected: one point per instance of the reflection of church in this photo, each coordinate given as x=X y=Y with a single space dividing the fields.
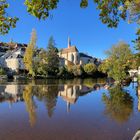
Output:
x=71 y=93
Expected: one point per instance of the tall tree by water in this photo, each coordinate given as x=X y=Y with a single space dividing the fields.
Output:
x=118 y=62
x=52 y=57
x=29 y=54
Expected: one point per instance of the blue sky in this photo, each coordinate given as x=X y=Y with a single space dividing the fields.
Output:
x=81 y=25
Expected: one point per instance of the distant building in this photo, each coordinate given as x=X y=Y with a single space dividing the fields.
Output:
x=13 y=59
x=134 y=72
x=11 y=56
x=71 y=55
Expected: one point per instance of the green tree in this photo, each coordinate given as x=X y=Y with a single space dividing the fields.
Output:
x=118 y=62
x=2 y=71
x=40 y=63
x=90 y=68
x=29 y=54
x=118 y=104
x=6 y=22
x=52 y=57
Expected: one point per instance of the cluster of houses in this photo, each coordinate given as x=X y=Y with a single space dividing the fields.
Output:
x=11 y=56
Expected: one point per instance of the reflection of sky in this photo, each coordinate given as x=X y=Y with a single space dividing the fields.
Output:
x=86 y=120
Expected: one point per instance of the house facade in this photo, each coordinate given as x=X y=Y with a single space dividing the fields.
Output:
x=13 y=59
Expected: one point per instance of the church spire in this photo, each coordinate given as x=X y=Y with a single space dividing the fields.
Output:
x=69 y=43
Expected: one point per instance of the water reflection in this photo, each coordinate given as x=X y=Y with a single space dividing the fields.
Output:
x=11 y=93
x=137 y=135
x=48 y=94
x=30 y=103
x=71 y=93
x=118 y=104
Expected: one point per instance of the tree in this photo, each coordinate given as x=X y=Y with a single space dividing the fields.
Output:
x=90 y=68
x=2 y=71
x=6 y=22
x=118 y=62
x=29 y=54
x=111 y=11
x=40 y=63
x=52 y=57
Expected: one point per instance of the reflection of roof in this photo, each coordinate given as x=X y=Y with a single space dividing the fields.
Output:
x=70 y=49
x=85 y=55
x=70 y=100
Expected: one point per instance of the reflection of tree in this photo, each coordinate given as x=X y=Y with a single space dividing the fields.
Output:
x=51 y=99
x=49 y=95
x=30 y=104
x=119 y=104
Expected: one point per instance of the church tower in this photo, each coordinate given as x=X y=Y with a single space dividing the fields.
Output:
x=69 y=43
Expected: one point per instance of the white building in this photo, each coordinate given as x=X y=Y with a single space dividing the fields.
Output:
x=13 y=60
x=71 y=55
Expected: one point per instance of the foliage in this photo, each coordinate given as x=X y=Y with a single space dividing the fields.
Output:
x=135 y=61
x=110 y=11
x=118 y=62
x=41 y=9
x=90 y=68
x=29 y=54
x=52 y=57
x=118 y=103
x=137 y=46
x=2 y=71
x=76 y=70
x=137 y=41
x=40 y=63
x=63 y=72
x=6 y=22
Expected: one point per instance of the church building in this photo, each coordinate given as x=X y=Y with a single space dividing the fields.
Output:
x=71 y=55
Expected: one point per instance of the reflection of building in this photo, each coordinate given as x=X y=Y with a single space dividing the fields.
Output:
x=70 y=93
x=11 y=93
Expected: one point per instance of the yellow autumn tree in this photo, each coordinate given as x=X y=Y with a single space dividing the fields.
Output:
x=29 y=54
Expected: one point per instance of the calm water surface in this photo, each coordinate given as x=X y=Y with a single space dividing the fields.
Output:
x=68 y=110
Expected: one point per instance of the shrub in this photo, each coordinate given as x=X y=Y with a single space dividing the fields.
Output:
x=2 y=71
x=90 y=68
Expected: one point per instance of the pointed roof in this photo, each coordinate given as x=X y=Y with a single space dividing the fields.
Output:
x=70 y=49
x=69 y=42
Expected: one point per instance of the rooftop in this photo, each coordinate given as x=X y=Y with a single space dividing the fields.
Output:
x=70 y=49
